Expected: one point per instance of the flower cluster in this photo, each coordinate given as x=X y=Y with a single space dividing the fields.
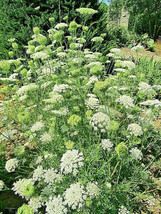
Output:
x=37 y=126
x=135 y=129
x=106 y=144
x=136 y=153
x=74 y=196
x=11 y=165
x=55 y=205
x=125 y=100
x=1 y=185
x=100 y=121
x=92 y=189
x=70 y=161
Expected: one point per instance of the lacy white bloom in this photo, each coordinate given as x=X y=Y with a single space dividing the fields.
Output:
x=39 y=159
x=52 y=176
x=57 y=98
x=40 y=55
x=135 y=129
x=123 y=210
x=70 y=161
x=92 y=64
x=92 y=189
x=37 y=126
x=137 y=48
x=92 y=103
x=38 y=173
x=92 y=79
x=155 y=102
x=130 y=65
x=125 y=100
x=61 y=88
x=74 y=196
x=120 y=70
x=46 y=84
x=62 y=111
x=23 y=97
x=101 y=121
x=55 y=205
x=85 y=11
x=35 y=203
x=136 y=153
x=145 y=87
x=46 y=137
x=61 y=54
x=115 y=50
x=1 y=185
x=97 y=39
x=106 y=144
x=61 y=25
x=24 y=89
x=11 y=165
x=20 y=185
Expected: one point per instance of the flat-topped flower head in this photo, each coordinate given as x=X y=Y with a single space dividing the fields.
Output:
x=86 y=11
x=136 y=153
x=92 y=189
x=37 y=126
x=11 y=165
x=135 y=129
x=71 y=161
x=75 y=196
x=97 y=39
x=56 y=205
x=125 y=100
x=100 y=121
x=106 y=144
x=1 y=185
x=60 y=26
x=123 y=210
x=92 y=102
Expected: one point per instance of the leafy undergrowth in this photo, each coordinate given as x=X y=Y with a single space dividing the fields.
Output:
x=80 y=132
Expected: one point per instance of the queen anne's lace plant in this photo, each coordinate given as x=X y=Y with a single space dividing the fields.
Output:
x=57 y=98
x=61 y=88
x=20 y=185
x=37 y=126
x=92 y=79
x=55 y=205
x=35 y=203
x=155 y=103
x=125 y=100
x=136 y=153
x=38 y=173
x=11 y=165
x=74 y=196
x=62 y=111
x=123 y=210
x=52 y=176
x=24 y=89
x=61 y=26
x=92 y=103
x=145 y=87
x=1 y=185
x=100 y=121
x=46 y=137
x=97 y=39
x=92 y=189
x=86 y=11
x=106 y=144
x=135 y=129
x=71 y=161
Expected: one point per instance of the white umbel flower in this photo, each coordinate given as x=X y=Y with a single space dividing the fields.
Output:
x=123 y=210
x=38 y=173
x=57 y=98
x=1 y=185
x=24 y=89
x=136 y=153
x=92 y=79
x=46 y=137
x=20 y=185
x=52 y=176
x=35 y=203
x=70 y=161
x=106 y=144
x=100 y=121
x=55 y=205
x=92 y=103
x=37 y=126
x=145 y=87
x=61 y=88
x=135 y=129
x=74 y=196
x=125 y=100
x=61 y=25
x=11 y=165
x=92 y=189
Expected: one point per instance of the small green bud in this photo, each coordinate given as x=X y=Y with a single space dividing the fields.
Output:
x=37 y=8
x=72 y=46
x=36 y=30
x=52 y=20
x=114 y=125
x=11 y=40
x=19 y=150
x=74 y=120
x=23 y=72
x=29 y=191
x=25 y=209
x=15 y=46
x=58 y=36
x=121 y=150
x=65 y=18
x=11 y=54
x=85 y=28
x=5 y=65
x=69 y=144
x=42 y=39
x=73 y=25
